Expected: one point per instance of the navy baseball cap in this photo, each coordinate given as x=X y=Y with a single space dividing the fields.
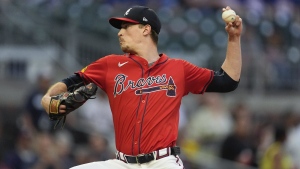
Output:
x=138 y=14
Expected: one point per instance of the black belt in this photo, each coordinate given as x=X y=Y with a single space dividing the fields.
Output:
x=144 y=158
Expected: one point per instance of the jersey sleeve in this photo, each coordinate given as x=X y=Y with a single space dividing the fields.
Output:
x=95 y=72
x=196 y=79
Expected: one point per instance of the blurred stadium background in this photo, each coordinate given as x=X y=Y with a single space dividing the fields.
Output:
x=43 y=41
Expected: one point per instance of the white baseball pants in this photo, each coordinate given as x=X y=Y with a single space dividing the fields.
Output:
x=170 y=162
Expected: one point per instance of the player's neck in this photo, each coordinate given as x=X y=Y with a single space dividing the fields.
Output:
x=149 y=53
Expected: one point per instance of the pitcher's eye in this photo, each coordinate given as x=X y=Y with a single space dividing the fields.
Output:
x=124 y=26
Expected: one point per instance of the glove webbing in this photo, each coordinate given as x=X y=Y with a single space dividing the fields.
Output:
x=85 y=95
x=63 y=122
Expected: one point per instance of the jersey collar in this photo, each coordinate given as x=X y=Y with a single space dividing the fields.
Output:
x=163 y=58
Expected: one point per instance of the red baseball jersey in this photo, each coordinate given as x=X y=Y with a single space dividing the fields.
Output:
x=145 y=100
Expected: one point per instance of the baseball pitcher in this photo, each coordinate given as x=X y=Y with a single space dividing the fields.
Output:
x=145 y=89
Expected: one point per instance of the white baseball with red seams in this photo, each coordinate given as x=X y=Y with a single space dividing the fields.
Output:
x=228 y=16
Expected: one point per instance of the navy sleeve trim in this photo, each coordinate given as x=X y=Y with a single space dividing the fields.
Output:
x=206 y=85
x=222 y=83
x=73 y=82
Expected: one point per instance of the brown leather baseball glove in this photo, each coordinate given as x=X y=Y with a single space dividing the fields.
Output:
x=72 y=101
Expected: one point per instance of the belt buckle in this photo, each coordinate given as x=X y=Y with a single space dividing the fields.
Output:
x=136 y=157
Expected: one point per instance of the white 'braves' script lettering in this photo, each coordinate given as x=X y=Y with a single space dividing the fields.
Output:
x=120 y=79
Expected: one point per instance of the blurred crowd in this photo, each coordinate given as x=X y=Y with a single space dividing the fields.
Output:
x=30 y=141
x=234 y=132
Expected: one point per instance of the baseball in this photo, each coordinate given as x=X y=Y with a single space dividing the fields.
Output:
x=228 y=16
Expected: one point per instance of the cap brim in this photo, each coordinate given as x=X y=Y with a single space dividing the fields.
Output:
x=117 y=22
